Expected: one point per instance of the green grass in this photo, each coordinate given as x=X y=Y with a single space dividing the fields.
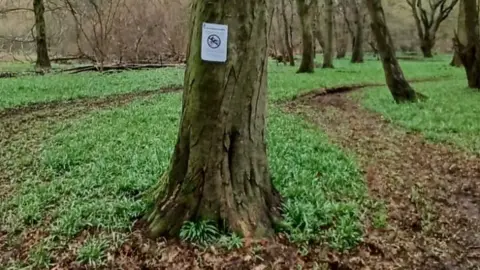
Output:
x=30 y=89
x=99 y=167
x=451 y=114
x=95 y=169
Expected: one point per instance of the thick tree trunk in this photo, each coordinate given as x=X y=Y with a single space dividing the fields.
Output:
x=357 y=50
x=305 y=12
x=470 y=53
x=328 y=52
x=398 y=85
x=427 y=46
x=43 y=61
x=219 y=168
x=288 y=43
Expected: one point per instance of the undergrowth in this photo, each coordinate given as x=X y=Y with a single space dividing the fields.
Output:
x=451 y=114
x=95 y=170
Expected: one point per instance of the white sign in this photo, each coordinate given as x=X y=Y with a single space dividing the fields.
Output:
x=214 y=42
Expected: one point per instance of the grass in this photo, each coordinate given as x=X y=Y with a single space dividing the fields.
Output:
x=30 y=89
x=94 y=170
x=451 y=114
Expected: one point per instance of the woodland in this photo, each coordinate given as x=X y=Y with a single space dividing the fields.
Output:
x=337 y=134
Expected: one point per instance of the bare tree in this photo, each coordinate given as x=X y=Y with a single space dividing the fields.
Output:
x=306 y=11
x=428 y=20
x=460 y=33
x=287 y=32
x=470 y=52
x=328 y=51
x=43 y=61
x=398 y=85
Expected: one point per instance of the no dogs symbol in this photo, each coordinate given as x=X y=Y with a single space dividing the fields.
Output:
x=214 y=41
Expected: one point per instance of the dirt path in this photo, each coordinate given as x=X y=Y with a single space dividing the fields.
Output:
x=432 y=191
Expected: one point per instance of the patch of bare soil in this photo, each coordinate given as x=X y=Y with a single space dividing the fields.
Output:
x=432 y=191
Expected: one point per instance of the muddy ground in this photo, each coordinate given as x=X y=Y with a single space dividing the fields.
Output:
x=432 y=192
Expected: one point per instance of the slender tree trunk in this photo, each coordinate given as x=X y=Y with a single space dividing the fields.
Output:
x=460 y=33
x=219 y=168
x=305 y=12
x=470 y=53
x=328 y=52
x=398 y=85
x=357 y=50
x=317 y=29
x=43 y=61
x=288 y=43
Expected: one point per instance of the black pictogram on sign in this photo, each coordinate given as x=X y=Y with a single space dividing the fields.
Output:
x=214 y=41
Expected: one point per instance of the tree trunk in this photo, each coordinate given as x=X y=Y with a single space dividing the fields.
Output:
x=43 y=61
x=357 y=50
x=398 y=85
x=460 y=34
x=288 y=43
x=470 y=53
x=328 y=52
x=219 y=168
x=317 y=30
x=305 y=12
x=427 y=46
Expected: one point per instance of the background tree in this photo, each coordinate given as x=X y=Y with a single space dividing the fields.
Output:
x=398 y=85
x=460 y=33
x=317 y=27
x=329 y=23
x=287 y=32
x=43 y=61
x=219 y=168
x=470 y=52
x=358 y=38
x=306 y=11
x=428 y=20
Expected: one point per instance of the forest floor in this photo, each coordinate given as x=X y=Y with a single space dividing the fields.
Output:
x=368 y=184
x=432 y=190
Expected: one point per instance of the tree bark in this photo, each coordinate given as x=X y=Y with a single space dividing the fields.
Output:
x=328 y=52
x=43 y=61
x=398 y=85
x=460 y=34
x=306 y=11
x=470 y=53
x=357 y=50
x=317 y=30
x=426 y=46
x=288 y=43
x=219 y=168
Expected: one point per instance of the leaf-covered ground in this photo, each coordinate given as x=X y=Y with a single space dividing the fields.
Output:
x=77 y=153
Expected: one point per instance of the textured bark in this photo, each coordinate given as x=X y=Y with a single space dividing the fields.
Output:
x=460 y=34
x=357 y=50
x=43 y=61
x=328 y=52
x=286 y=33
x=428 y=21
x=470 y=53
x=306 y=10
x=219 y=167
x=398 y=85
